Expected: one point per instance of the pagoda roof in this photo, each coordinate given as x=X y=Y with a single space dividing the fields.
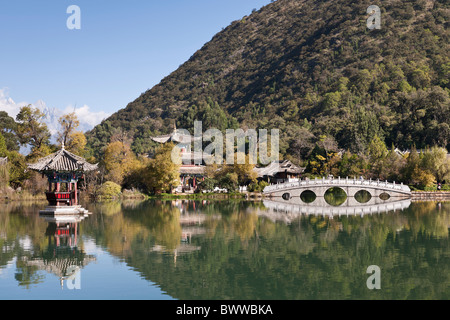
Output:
x=192 y=170
x=176 y=136
x=62 y=161
x=279 y=166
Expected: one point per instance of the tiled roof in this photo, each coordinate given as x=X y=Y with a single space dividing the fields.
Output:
x=192 y=170
x=279 y=166
x=175 y=137
x=62 y=160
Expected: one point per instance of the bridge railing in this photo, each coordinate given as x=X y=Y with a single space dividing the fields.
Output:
x=338 y=182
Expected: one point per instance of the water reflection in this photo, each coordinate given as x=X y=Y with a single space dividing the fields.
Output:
x=52 y=245
x=283 y=211
x=243 y=250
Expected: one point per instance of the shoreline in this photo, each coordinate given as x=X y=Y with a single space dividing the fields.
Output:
x=430 y=195
x=415 y=196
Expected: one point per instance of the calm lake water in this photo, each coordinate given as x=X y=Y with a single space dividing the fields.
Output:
x=223 y=250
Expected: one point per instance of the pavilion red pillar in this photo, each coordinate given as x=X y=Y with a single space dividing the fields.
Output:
x=58 y=187
x=76 y=193
x=76 y=229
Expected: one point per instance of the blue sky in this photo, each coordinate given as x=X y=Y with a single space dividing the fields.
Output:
x=122 y=49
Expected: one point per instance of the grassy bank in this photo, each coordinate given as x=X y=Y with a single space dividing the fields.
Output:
x=23 y=195
x=444 y=187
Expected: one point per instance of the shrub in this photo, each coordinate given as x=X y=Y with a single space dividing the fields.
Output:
x=257 y=187
x=110 y=190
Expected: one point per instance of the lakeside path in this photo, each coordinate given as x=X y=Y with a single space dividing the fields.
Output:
x=430 y=195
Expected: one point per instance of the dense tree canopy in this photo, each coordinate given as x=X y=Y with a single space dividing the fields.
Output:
x=314 y=65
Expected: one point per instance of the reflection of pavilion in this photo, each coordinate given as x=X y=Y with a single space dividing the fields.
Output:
x=64 y=229
x=282 y=211
x=62 y=256
x=63 y=170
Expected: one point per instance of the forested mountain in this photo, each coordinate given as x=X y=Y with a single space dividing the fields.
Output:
x=309 y=68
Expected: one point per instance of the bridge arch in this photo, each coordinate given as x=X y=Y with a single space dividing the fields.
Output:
x=363 y=196
x=335 y=196
x=379 y=191
x=308 y=196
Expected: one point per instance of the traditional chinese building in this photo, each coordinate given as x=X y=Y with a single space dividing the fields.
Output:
x=279 y=172
x=192 y=169
x=63 y=170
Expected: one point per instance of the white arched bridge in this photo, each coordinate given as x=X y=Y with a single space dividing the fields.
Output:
x=375 y=191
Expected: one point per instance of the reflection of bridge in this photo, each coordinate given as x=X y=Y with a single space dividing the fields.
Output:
x=291 y=191
x=285 y=211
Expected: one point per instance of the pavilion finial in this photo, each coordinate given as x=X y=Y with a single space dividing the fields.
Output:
x=62 y=145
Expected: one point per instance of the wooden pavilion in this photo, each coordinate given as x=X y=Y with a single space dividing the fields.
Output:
x=63 y=170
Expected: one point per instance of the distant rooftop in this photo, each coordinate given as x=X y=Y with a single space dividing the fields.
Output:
x=279 y=166
x=175 y=136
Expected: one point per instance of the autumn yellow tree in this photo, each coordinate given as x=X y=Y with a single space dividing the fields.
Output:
x=245 y=172
x=119 y=161
x=162 y=173
x=74 y=141
x=77 y=143
x=436 y=162
x=68 y=124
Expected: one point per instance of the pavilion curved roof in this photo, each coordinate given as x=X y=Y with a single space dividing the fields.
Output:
x=278 y=166
x=62 y=161
x=176 y=136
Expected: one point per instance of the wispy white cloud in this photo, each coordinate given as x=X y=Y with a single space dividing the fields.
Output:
x=88 y=118
x=8 y=104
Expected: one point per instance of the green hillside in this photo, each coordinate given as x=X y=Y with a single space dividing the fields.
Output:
x=309 y=68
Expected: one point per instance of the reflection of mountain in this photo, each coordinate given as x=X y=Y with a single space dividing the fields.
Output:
x=246 y=256
x=236 y=253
